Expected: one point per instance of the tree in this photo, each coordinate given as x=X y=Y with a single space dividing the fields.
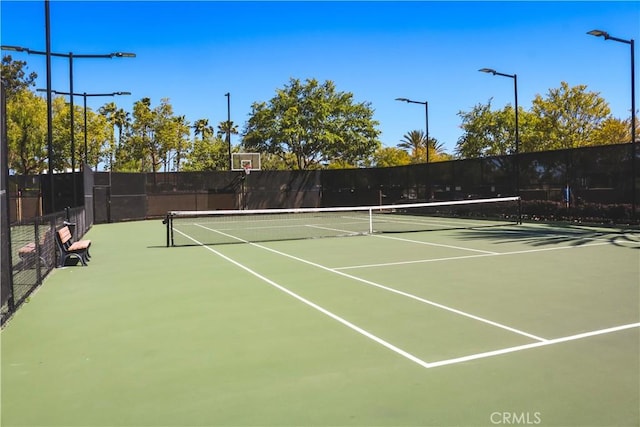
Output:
x=168 y=134
x=568 y=117
x=108 y=110
x=202 y=127
x=183 y=144
x=99 y=140
x=227 y=127
x=122 y=121
x=15 y=77
x=61 y=133
x=315 y=123
x=612 y=131
x=489 y=133
x=207 y=154
x=27 y=132
x=415 y=142
x=390 y=156
x=151 y=136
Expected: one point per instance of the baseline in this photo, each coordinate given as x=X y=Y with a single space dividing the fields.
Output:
x=541 y=342
x=533 y=345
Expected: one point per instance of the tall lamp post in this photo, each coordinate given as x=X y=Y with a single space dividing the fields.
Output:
x=631 y=43
x=71 y=56
x=84 y=96
x=517 y=130
x=228 y=95
x=426 y=116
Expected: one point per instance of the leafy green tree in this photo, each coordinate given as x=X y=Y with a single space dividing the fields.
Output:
x=390 y=156
x=182 y=142
x=315 y=123
x=108 y=110
x=488 y=132
x=99 y=140
x=135 y=149
x=273 y=162
x=168 y=134
x=568 y=117
x=61 y=133
x=612 y=131
x=15 y=76
x=27 y=132
x=208 y=154
x=152 y=135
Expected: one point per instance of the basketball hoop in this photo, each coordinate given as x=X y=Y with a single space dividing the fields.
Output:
x=245 y=162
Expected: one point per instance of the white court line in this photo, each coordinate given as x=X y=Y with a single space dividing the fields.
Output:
x=436 y=244
x=541 y=342
x=311 y=304
x=533 y=345
x=392 y=290
x=420 y=261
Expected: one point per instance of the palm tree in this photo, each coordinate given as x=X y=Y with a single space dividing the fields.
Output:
x=122 y=120
x=201 y=127
x=227 y=127
x=415 y=143
x=182 y=127
x=109 y=112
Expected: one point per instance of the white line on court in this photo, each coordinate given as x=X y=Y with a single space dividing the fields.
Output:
x=541 y=341
x=436 y=244
x=392 y=290
x=312 y=304
x=533 y=345
x=350 y=267
x=405 y=294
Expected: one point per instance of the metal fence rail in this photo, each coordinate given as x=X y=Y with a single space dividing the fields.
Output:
x=33 y=253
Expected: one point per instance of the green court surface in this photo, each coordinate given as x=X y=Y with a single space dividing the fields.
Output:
x=520 y=324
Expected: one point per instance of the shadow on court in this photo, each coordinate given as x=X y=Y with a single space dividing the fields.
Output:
x=546 y=235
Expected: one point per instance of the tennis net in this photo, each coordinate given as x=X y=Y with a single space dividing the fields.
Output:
x=187 y=228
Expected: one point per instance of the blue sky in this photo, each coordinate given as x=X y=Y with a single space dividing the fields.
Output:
x=195 y=52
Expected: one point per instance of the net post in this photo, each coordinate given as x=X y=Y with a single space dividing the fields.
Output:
x=166 y=223
x=168 y=219
x=371 y=221
x=171 y=228
x=519 y=210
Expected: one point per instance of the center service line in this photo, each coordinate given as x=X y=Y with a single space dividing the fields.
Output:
x=405 y=294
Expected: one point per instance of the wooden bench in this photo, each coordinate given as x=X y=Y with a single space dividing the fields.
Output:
x=68 y=248
x=29 y=253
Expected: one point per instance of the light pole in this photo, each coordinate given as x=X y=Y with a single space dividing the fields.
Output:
x=631 y=43
x=517 y=130
x=426 y=115
x=84 y=96
x=228 y=95
x=71 y=57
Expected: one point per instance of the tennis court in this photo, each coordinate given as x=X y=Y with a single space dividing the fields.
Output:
x=511 y=324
